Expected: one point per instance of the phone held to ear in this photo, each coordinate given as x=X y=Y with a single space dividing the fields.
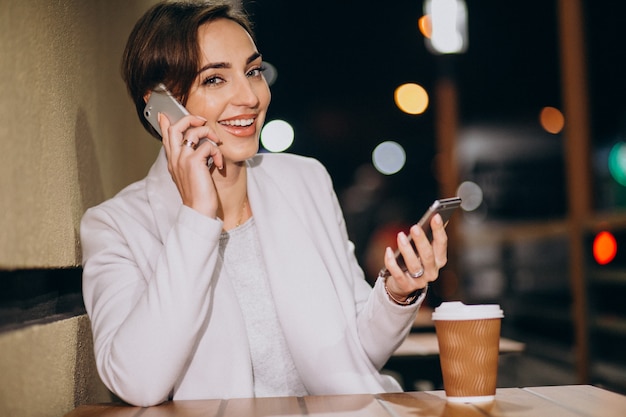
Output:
x=162 y=101
x=445 y=207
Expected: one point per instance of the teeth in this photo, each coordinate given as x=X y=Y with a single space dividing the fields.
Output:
x=238 y=122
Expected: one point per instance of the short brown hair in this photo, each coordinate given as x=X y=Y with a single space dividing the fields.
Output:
x=163 y=48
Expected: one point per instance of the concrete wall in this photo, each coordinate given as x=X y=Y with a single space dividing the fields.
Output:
x=69 y=139
x=48 y=369
x=69 y=135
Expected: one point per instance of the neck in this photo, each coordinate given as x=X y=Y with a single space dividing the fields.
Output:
x=233 y=208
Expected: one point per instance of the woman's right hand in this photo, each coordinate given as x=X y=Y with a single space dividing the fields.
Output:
x=188 y=166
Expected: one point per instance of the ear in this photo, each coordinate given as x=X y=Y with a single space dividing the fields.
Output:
x=146 y=96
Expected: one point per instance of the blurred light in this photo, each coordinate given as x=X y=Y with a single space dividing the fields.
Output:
x=411 y=98
x=617 y=163
x=388 y=157
x=604 y=247
x=551 y=119
x=425 y=26
x=270 y=73
x=449 y=26
x=471 y=194
x=277 y=136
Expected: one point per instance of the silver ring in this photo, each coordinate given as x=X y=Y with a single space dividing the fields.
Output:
x=190 y=144
x=417 y=274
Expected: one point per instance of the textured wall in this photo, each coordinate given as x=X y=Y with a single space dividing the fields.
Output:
x=46 y=370
x=69 y=139
x=68 y=131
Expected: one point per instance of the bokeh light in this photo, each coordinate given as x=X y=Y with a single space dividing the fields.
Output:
x=604 y=248
x=448 y=20
x=411 y=98
x=425 y=26
x=471 y=195
x=388 y=157
x=277 y=136
x=617 y=163
x=270 y=73
x=551 y=119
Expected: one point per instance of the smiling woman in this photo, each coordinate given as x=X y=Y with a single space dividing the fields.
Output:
x=193 y=276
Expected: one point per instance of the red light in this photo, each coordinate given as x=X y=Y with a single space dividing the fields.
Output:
x=604 y=248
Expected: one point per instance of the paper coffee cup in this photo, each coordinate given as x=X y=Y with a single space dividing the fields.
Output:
x=469 y=342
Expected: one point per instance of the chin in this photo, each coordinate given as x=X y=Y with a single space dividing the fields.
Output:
x=245 y=154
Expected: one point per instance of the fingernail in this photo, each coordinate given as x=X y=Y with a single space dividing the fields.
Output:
x=438 y=219
x=201 y=118
x=159 y=117
x=403 y=238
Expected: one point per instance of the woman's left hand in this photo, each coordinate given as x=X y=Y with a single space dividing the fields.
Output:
x=422 y=266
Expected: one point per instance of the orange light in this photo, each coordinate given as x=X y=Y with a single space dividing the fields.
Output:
x=604 y=248
x=411 y=98
x=425 y=26
x=551 y=119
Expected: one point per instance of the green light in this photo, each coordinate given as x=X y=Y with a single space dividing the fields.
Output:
x=617 y=163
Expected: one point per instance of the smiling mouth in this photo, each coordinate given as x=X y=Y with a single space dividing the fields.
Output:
x=237 y=122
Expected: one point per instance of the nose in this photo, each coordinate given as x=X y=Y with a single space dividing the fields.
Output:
x=245 y=93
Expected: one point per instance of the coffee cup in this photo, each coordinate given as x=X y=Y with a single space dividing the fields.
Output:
x=469 y=342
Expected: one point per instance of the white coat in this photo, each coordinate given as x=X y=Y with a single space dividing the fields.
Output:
x=165 y=318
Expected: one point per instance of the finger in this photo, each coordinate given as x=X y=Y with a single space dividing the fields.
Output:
x=396 y=273
x=189 y=143
x=210 y=151
x=164 y=124
x=398 y=281
x=174 y=136
x=416 y=272
x=440 y=241
x=189 y=121
x=182 y=128
x=426 y=253
x=409 y=256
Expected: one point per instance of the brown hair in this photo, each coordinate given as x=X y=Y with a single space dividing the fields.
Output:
x=163 y=48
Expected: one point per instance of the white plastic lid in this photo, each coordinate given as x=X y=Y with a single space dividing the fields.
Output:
x=456 y=310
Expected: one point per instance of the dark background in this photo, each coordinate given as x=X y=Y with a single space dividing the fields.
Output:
x=338 y=66
x=340 y=62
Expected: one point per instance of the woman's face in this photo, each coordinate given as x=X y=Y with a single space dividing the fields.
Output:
x=230 y=90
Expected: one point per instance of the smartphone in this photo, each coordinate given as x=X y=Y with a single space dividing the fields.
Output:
x=445 y=207
x=162 y=101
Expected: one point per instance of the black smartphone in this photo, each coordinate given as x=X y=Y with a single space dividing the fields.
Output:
x=162 y=101
x=445 y=207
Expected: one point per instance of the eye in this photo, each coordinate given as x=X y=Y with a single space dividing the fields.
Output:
x=212 y=80
x=256 y=72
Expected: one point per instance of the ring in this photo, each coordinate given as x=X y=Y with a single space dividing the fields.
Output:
x=190 y=144
x=417 y=274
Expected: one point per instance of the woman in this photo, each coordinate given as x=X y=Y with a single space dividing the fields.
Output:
x=235 y=279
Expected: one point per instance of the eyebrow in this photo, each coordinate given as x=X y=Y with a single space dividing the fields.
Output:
x=218 y=65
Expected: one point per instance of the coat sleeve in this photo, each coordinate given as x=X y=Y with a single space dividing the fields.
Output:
x=147 y=299
x=382 y=325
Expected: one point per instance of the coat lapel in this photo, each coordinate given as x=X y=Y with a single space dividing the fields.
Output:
x=321 y=339
x=163 y=195
x=320 y=334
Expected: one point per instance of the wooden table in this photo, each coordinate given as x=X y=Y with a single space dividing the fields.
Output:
x=425 y=344
x=557 y=401
x=418 y=359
